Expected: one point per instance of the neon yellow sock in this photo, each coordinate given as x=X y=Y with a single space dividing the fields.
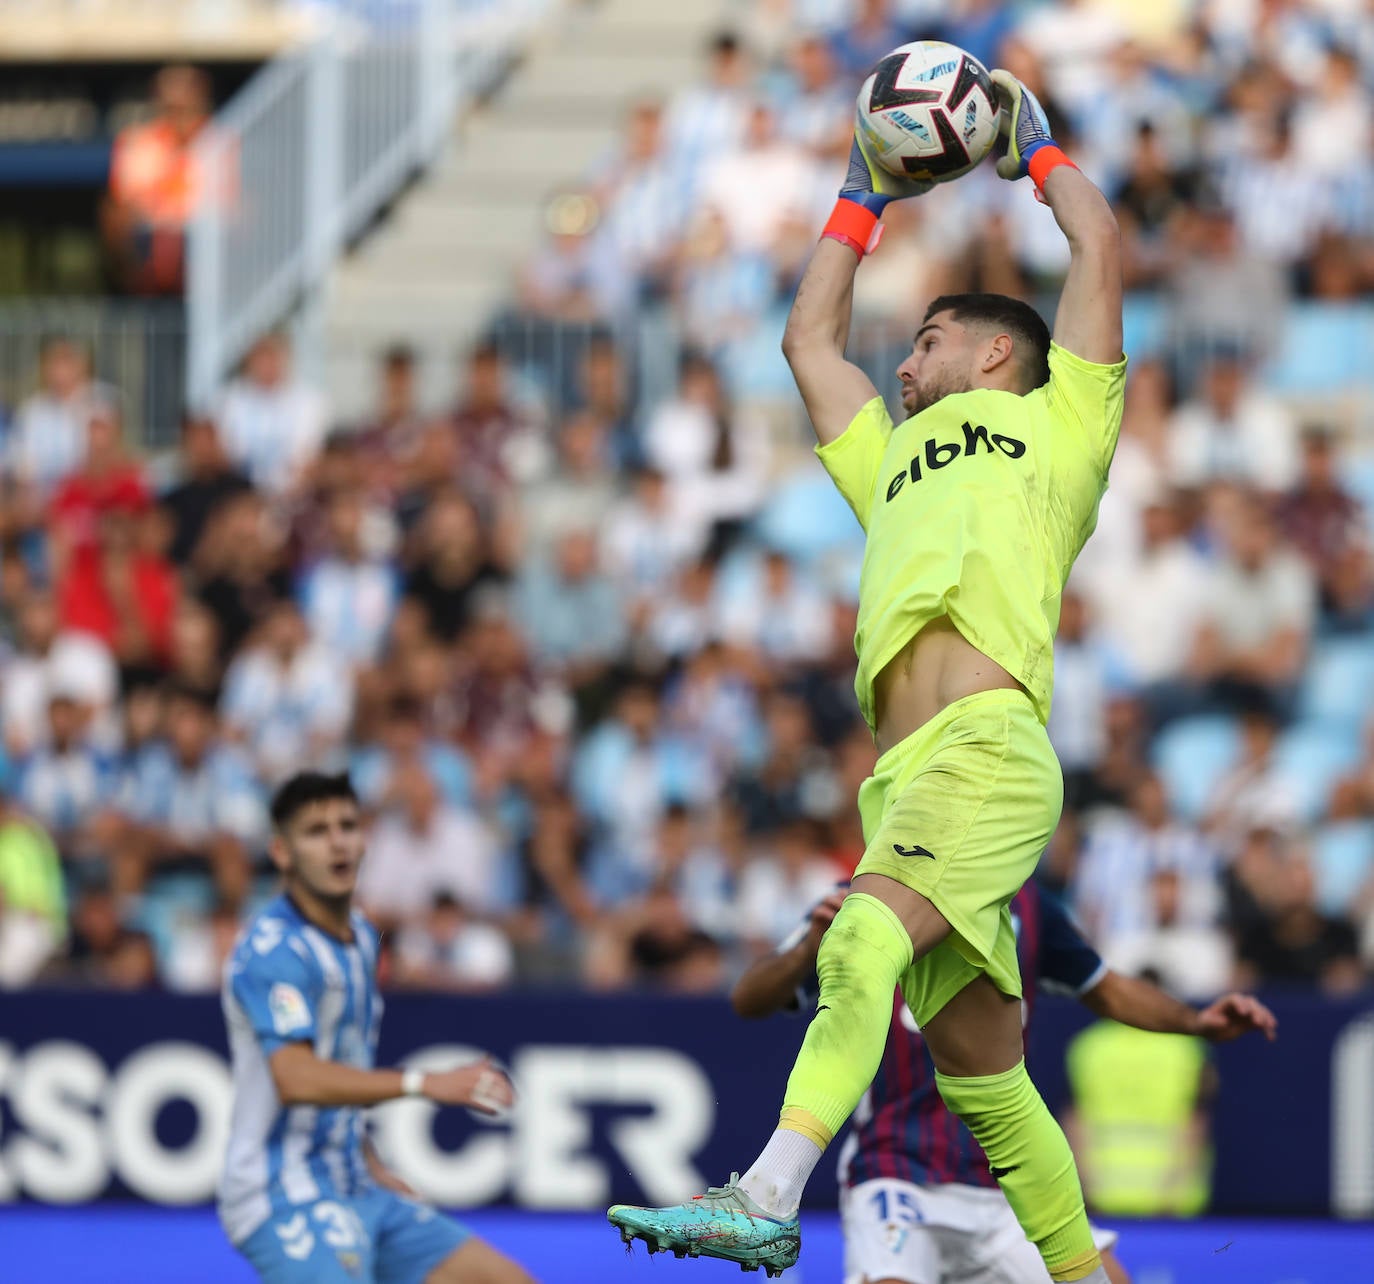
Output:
x=1031 y=1159
x=862 y=954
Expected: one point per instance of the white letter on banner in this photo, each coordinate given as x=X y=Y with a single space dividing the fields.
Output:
x=7 y=1190
x=553 y=1126
x=1352 y=1120
x=476 y=1174
x=61 y=1160
x=146 y=1082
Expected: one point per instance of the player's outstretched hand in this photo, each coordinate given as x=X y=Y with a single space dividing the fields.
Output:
x=1023 y=124
x=481 y=1085
x=1235 y=1014
x=869 y=184
x=824 y=913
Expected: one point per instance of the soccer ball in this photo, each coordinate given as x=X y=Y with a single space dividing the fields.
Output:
x=928 y=111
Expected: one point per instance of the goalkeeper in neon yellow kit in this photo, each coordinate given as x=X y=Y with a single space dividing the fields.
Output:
x=974 y=508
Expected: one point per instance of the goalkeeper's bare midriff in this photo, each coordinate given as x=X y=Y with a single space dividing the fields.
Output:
x=934 y=669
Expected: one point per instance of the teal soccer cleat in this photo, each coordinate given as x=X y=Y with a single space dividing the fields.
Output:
x=724 y=1222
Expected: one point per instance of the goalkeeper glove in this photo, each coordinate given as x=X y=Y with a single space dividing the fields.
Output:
x=1031 y=148
x=867 y=190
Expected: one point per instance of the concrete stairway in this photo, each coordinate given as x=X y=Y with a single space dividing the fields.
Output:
x=445 y=259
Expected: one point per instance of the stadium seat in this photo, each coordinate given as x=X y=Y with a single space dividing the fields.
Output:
x=1338 y=687
x=1312 y=756
x=1325 y=347
x=807 y=517
x=1358 y=478
x=169 y=898
x=1191 y=756
x=1342 y=861
x=1143 y=325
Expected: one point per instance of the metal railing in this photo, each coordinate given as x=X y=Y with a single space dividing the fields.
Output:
x=303 y=158
x=137 y=347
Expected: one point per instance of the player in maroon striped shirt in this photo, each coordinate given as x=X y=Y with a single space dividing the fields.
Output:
x=918 y=1203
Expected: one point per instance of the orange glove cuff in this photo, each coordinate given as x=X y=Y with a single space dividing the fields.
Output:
x=1044 y=162
x=854 y=226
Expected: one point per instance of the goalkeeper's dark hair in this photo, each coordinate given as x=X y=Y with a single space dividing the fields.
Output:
x=307 y=787
x=1000 y=312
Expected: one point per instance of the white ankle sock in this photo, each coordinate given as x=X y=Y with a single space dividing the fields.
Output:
x=1099 y=1276
x=778 y=1176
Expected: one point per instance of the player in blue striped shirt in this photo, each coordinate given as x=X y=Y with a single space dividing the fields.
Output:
x=303 y=1196
x=918 y=1203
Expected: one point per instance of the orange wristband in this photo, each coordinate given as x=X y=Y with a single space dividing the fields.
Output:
x=854 y=226
x=1044 y=162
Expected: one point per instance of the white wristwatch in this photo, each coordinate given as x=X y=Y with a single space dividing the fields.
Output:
x=412 y=1083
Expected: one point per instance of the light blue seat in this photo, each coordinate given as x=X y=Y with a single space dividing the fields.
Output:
x=169 y=898
x=1312 y=756
x=1357 y=476
x=1191 y=756
x=1325 y=347
x=807 y=517
x=1342 y=861
x=1144 y=325
x=1338 y=686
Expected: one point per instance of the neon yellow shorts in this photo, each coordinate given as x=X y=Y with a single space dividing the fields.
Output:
x=961 y=811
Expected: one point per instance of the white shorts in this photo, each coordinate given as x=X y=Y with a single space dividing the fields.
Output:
x=950 y=1234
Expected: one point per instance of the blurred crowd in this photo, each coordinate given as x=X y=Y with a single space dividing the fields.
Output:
x=583 y=634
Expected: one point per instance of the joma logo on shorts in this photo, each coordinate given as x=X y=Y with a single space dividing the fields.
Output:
x=942 y=454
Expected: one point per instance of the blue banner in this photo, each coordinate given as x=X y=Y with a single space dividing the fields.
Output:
x=625 y=1098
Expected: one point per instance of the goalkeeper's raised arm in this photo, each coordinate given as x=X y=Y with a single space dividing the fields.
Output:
x=1088 y=322
x=835 y=390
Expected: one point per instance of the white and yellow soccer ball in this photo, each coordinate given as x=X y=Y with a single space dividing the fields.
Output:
x=928 y=111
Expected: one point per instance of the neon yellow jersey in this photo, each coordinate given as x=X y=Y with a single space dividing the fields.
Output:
x=976 y=508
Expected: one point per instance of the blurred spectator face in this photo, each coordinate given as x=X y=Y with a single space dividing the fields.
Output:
x=728 y=68
x=637 y=710
x=1294 y=887
x=38 y=622
x=403 y=732
x=268 y=362
x=777 y=572
x=674 y=838
x=63 y=368
x=1166 y=892
x=64 y=720
x=812 y=64
x=603 y=376
x=346 y=523
x=195 y=638
x=340 y=464
x=451 y=526
x=142 y=716
x=651 y=489
x=1149 y=164
x=486 y=378
x=104 y=442
x=1223 y=381
x=96 y=920
x=760 y=127
x=1073 y=617
x=576 y=556
x=700 y=383
x=1150 y=803
x=284 y=632
x=200 y=446
x=131 y=964
x=398 y=382
x=1159 y=524
x=1251 y=535
x=183 y=99
x=415 y=793
x=1258 y=731
x=789 y=723
x=644 y=132
x=190 y=729
x=1318 y=461
x=582 y=445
